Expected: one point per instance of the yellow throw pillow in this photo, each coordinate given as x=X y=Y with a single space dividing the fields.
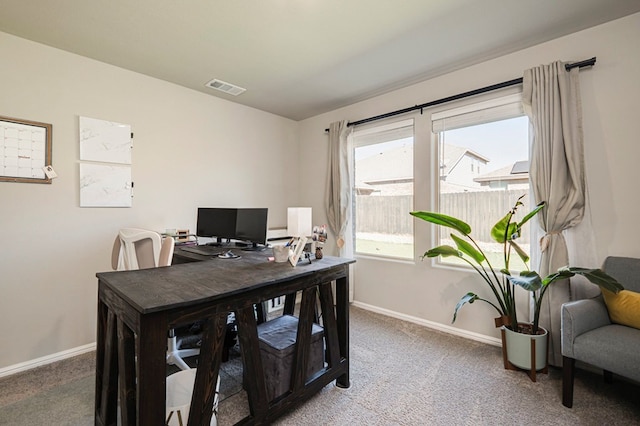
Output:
x=624 y=307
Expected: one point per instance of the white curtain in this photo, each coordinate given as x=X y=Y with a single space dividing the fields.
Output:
x=551 y=97
x=582 y=252
x=339 y=190
x=339 y=183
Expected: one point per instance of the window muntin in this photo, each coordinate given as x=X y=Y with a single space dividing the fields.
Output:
x=383 y=190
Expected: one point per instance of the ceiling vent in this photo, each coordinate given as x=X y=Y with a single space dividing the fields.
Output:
x=225 y=87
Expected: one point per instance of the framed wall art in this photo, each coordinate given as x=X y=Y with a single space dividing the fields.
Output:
x=105 y=185
x=105 y=141
x=25 y=150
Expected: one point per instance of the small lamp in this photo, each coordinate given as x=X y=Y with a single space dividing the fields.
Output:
x=299 y=221
x=299 y=227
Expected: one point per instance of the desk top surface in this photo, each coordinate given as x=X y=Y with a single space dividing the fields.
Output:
x=156 y=289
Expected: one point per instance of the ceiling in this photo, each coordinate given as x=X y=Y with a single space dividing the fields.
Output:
x=300 y=58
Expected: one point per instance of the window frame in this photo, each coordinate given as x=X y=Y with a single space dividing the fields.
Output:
x=370 y=129
x=456 y=109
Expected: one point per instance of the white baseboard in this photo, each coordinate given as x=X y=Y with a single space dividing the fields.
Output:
x=27 y=365
x=430 y=324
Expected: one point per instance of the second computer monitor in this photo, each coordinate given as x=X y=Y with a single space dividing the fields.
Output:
x=251 y=226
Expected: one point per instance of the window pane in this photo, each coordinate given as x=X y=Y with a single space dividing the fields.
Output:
x=484 y=169
x=384 y=193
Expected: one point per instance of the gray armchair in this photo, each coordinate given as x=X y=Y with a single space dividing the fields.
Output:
x=589 y=336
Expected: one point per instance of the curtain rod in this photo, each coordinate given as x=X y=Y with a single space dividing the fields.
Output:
x=515 y=81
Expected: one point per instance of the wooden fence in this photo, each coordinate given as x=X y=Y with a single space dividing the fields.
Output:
x=388 y=214
x=481 y=210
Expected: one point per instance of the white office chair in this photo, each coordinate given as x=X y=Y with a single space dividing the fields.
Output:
x=141 y=249
x=178 y=401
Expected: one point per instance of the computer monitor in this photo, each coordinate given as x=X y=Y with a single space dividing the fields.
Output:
x=214 y=222
x=251 y=227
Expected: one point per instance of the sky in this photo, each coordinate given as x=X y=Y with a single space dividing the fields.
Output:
x=503 y=142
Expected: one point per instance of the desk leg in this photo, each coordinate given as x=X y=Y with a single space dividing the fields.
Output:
x=214 y=331
x=303 y=340
x=330 y=325
x=106 y=392
x=252 y=362
x=342 y=317
x=152 y=369
x=127 y=373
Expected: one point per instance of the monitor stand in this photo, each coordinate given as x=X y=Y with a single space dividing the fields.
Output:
x=219 y=242
x=254 y=247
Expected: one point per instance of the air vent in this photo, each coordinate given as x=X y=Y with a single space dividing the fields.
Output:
x=225 y=87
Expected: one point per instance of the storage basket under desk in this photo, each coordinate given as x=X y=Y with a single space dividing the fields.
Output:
x=277 y=339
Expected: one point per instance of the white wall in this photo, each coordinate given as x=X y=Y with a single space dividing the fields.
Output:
x=190 y=150
x=189 y=146
x=610 y=91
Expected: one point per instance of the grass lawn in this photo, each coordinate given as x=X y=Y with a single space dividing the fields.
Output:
x=405 y=251
x=384 y=248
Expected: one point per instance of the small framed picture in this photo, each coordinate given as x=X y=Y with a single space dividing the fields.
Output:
x=295 y=256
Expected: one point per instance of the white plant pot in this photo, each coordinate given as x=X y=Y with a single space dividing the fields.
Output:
x=519 y=348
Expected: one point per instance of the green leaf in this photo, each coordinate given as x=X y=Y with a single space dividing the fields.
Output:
x=532 y=213
x=503 y=230
x=444 y=251
x=521 y=253
x=467 y=298
x=599 y=277
x=443 y=220
x=468 y=249
x=498 y=230
x=562 y=274
x=529 y=280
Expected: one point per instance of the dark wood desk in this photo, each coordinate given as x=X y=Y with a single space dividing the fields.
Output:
x=136 y=308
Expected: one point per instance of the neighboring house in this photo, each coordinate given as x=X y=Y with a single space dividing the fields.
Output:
x=514 y=176
x=391 y=172
x=459 y=167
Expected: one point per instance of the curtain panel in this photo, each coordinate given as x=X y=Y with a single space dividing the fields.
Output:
x=551 y=98
x=339 y=183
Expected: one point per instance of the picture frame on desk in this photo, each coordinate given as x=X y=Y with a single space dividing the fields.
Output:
x=182 y=237
x=297 y=252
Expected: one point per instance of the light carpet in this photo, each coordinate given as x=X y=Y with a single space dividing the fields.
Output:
x=401 y=374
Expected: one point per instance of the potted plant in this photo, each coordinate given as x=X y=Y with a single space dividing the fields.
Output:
x=500 y=279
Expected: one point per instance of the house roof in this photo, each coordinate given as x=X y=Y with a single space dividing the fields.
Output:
x=397 y=164
x=452 y=156
x=516 y=171
x=391 y=165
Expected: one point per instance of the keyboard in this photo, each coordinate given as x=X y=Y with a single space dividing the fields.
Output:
x=203 y=250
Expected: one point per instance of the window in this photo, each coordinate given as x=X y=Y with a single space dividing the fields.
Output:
x=492 y=136
x=383 y=190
